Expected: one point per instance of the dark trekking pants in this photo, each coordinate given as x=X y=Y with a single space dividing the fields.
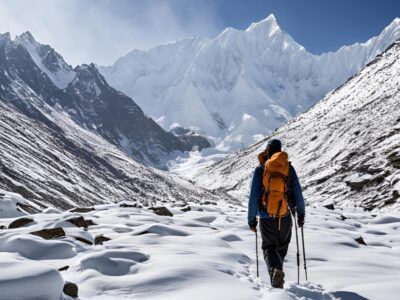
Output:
x=275 y=241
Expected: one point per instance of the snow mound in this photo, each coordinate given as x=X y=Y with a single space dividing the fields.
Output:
x=21 y=279
x=8 y=204
x=113 y=262
x=162 y=230
x=36 y=248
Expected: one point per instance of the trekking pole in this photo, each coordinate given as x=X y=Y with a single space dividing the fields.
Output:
x=257 y=251
x=304 y=252
x=297 y=246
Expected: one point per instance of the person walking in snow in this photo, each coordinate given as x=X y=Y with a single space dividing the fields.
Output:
x=275 y=192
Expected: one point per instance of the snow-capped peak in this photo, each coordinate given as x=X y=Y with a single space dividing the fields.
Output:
x=260 y=72
x=26 y=36
x=4 y=36
x=47 y=59
x=266 y=26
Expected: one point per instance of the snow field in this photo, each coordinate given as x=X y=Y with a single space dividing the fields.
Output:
x=205 y=254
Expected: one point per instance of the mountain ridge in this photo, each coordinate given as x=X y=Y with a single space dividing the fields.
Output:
x=219 y=82
x=345 y=148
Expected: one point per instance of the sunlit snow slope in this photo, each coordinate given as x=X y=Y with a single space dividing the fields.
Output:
x=240 y=85
x=346 y=148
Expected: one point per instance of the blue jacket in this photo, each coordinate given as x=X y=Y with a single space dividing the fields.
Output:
x=295 y=195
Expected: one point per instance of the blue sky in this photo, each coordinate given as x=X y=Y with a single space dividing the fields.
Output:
x=100 y=31
x=319 y=25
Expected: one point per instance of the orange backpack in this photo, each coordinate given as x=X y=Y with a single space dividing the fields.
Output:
x=274 y=196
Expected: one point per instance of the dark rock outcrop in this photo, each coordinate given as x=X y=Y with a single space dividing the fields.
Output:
x=71 y=289
x=186 y=209
x=100 y=239
x=19 y=223
x=162 y=211
x=81 y=222
x=330 y=206
x=49 y=234
x=82 y=209
x=65 y=268
x=83 y=240
x=191 y=139
x=361 y=241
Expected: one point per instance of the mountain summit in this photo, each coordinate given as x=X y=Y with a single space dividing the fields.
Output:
x=240 y=85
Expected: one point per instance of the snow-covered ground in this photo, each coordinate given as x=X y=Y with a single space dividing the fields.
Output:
x=205 y=253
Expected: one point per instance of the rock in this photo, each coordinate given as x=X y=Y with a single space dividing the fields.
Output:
x=394 y=159
x=359 y=183
x=90 y=223
x=135 y=205
x=330 y=206
x=70 y=289
x=27 y=208
x=343 y=218
x=361 y=241
x=82 y=209
x=100 y=239
x=65 y=268
x=81 y=222
x=3 y=227
x=186 y=209
x=19 y=223
x=85 y=241
x=162 y=211
x=209 y=203
x=49 y=234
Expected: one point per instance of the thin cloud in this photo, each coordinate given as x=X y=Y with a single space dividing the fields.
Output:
x=101 y=31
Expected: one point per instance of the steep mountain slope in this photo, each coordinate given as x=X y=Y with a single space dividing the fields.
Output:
x=346 y=148
x=48 y=60
x=240 y=85
x=54 y=160
x=88 y=99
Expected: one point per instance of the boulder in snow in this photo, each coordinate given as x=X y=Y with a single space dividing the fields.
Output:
x=330 y=206
x=162 y=211
x=81 y=222
x=70 y=289
x=82 y=209
x=85 y=241
x=65 y=268
x=19 y=223
x=49 y=234
x=100 y=239
x=361 y=241
x=186 y=209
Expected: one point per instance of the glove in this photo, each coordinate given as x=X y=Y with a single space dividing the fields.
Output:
x=253 y=225
x=300 y=220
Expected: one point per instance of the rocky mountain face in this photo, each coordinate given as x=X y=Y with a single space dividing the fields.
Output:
x=61 y=147
x=240 y=85
x=346 y=148
x=85 y=95
x=93 y=104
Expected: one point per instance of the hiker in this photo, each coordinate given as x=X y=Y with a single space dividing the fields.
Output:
x=275 y=191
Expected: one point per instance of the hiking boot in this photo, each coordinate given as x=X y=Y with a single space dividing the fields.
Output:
x=278 y=279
